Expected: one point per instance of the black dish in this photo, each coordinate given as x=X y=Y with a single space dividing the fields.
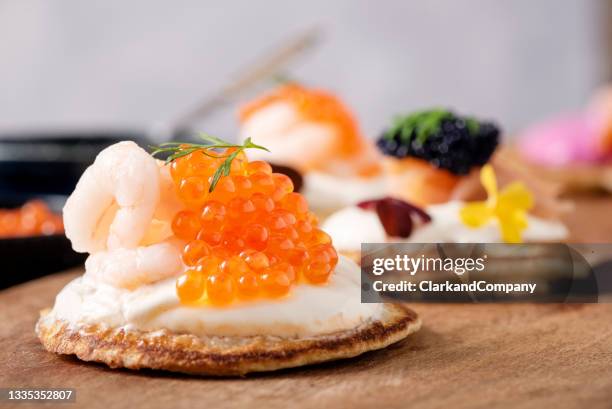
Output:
x=51 y=163
x=26 y=258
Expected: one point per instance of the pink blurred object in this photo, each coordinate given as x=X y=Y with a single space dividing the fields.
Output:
x=563 y=140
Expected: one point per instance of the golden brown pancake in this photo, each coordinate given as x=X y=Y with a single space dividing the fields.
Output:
x=220 y=355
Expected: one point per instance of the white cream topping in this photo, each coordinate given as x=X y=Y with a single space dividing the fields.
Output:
x=446 y=226
x=349 y=228
x=308 y=310
x=352 y=226
x=291 y=140
x=327 y=191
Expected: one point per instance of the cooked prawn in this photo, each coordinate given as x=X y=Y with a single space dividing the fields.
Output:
x=131 y=268
x=310 y=129
x=169 y=205
x=114 y=201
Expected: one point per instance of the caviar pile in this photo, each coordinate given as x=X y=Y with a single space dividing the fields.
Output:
x=251 y=237
x=32 y=219
x=443 y=139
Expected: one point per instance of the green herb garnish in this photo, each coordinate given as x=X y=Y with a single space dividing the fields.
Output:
x=472 y=124
x=422 y=124
x=180 y=149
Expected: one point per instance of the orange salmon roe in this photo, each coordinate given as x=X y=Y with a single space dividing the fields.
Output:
x=252 y=237
x=190 y=286
x=32 y=219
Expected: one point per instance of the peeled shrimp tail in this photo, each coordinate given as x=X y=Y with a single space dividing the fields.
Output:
x=114 y=201
x=131 y=268
x=85 y=234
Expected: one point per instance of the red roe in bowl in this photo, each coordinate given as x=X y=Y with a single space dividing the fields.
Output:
x=34 y=218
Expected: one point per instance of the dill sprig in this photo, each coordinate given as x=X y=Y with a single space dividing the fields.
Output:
x=211 y=143
x=422 y=124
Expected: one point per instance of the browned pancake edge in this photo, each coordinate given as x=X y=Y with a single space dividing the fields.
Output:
x=220 y=356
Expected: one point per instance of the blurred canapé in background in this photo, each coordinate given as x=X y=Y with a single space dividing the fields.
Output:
x=116 y=64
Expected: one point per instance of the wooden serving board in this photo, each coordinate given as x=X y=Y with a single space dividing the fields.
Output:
x=464 y=356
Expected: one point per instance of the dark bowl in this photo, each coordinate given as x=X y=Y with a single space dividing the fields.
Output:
x=26 y=258
x=52 y=162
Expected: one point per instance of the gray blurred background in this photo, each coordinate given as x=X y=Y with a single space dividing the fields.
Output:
x=77 y=64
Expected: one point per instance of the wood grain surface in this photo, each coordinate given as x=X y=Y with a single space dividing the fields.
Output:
x=465 y=356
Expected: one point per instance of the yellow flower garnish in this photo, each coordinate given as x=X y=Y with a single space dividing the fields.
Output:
x=509 y=207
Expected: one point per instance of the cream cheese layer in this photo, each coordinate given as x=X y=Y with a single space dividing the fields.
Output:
x=307 y=311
